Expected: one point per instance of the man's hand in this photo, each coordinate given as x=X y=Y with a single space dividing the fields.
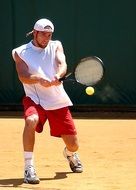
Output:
x=56 y=81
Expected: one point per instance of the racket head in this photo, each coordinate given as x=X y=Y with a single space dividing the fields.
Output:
x=89 y=71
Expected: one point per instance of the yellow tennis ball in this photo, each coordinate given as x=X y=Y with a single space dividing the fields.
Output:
x=89 y=90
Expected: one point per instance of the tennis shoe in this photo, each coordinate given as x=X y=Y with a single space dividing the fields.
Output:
x=30 y=175
x=74 y=162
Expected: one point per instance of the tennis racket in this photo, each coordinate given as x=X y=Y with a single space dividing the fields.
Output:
x=89 y=71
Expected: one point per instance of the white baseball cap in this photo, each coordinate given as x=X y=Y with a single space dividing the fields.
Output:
x=44 y=25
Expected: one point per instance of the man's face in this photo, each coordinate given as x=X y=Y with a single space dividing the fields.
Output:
x=42 y=38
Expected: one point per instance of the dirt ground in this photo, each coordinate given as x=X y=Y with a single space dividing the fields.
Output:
x=107 y=150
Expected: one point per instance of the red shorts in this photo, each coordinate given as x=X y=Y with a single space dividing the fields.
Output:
x=60 y=120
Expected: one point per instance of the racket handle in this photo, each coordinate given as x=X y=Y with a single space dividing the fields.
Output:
x=62 y=78
x=65 y=77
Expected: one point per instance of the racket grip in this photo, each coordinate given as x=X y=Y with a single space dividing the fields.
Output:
x=62 y=78
x=65 y=77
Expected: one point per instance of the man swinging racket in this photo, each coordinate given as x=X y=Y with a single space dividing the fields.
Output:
x=40 y=64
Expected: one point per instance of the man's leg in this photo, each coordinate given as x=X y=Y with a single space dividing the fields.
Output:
x=28 y=144
x=62 y=125
x=70 y=154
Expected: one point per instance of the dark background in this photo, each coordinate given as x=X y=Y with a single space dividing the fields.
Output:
x=106 y=29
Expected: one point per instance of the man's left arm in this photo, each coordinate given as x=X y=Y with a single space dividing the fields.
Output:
x=60 y=61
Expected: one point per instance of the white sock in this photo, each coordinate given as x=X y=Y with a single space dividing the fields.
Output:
x=69 y=153
x=28 y=158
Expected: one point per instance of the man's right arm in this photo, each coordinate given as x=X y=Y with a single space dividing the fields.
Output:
x=23 y=71
x=25 y=76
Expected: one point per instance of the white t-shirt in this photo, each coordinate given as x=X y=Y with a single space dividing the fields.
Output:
x=42 y=61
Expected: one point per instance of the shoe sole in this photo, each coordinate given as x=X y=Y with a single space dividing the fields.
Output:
x=31 y=182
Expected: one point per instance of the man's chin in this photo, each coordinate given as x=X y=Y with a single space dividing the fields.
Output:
x=43 y=46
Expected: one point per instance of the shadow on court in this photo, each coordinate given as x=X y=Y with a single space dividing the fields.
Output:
x=17 y=182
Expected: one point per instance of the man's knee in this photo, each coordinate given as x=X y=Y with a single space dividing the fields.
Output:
x=32 y=121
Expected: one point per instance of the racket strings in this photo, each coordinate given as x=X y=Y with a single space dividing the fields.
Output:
x=89 y=72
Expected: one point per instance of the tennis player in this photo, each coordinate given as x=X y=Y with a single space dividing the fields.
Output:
x=40 y=64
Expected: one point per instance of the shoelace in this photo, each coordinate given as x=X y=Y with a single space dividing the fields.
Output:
x=75 y=159
x=31 y=170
